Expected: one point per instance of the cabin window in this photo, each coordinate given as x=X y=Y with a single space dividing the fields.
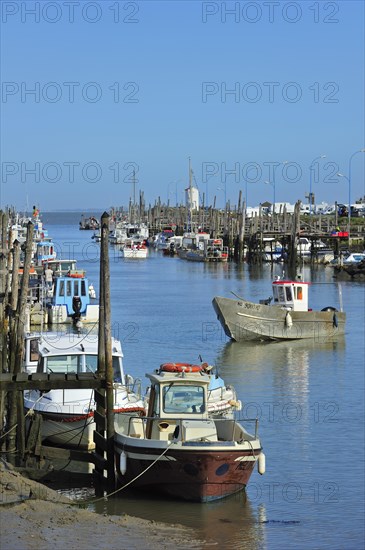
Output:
x=299 y=293
x=68 y=288
x=62 y=288
x=281 y=294
x=33 y=350
x=91 y=363
x=275 y=292
x=182 y=399
x=76 y=288
x=64 y=364
x=289 y=297
x=83 y=288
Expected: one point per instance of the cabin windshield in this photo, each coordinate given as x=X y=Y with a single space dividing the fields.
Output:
x=74 y=364
x=182 y=399
x=288 y=294
x=91 y=364
x=281 y=294
x=64 y=364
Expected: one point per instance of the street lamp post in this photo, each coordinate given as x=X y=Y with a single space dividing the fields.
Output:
x=245 y=180
x=225 y=193
x=170 y=192
x=349 y=178
x=349 y=182
x=272 y=183
x=349 y=209
x=206 y=186
x=310 y=180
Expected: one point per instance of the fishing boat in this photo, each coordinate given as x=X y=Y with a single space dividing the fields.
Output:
x=132 y=249
x=68 y=415
x=173 y=244
x=307 y=250
x=90 y=223
x=162 y=239
x=212 y=251
x=192 y=241
x=72 y=299
x=179 y=448
x=287 y=318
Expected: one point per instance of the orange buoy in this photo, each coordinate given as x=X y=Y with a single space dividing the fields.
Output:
x=180 y=367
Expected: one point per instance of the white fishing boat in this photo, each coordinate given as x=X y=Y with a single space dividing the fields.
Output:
x=179 y=448
x=135 y=250
x=162 y=239
x=287 y=318
x=68 y=415
x=307 y=250
x=354 y=258
x=173 y=244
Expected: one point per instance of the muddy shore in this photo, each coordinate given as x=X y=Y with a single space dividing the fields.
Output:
x=34 y=517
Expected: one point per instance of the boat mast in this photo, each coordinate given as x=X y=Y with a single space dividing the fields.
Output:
x=133 y=205
x=190 y=195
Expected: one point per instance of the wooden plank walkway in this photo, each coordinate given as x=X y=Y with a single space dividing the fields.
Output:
x=44 y=382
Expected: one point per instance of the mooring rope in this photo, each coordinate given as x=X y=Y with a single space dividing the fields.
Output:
x=127 y=484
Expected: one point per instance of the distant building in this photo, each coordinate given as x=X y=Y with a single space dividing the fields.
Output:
x=192 y=198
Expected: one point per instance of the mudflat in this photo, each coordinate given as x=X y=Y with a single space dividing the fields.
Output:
x=34 y=517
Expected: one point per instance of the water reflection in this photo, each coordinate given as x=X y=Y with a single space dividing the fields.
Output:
x=274 y=354
x=273 y=381
x=231 y=522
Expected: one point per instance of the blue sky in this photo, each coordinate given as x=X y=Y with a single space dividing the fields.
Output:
x=237 y=86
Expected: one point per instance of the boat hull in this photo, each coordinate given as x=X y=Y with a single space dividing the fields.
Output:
x=184 y=473
x=68 y=415
x=243 y=320
x=194 y=256
x=134 y=254
x=68 y=431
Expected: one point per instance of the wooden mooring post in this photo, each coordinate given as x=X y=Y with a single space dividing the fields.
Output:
x=104 y=418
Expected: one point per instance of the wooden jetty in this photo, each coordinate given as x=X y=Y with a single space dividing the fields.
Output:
x=20 y=447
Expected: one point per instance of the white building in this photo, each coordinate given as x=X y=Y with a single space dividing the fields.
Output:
x=192 y=198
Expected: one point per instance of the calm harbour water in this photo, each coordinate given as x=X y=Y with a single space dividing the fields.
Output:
x=309 y=396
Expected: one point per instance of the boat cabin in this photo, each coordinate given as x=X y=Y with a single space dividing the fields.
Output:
x=73 y=354
x=178 y=401
x=62 y=267
x=195 y=241
x=71 y=291
x=291 y=294
x=45 y=252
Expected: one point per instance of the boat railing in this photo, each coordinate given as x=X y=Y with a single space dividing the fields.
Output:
x=134 y=386
x=216 y=253
x=255 y=420
x=168 y=428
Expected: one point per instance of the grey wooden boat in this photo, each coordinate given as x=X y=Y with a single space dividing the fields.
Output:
x=287 y=318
